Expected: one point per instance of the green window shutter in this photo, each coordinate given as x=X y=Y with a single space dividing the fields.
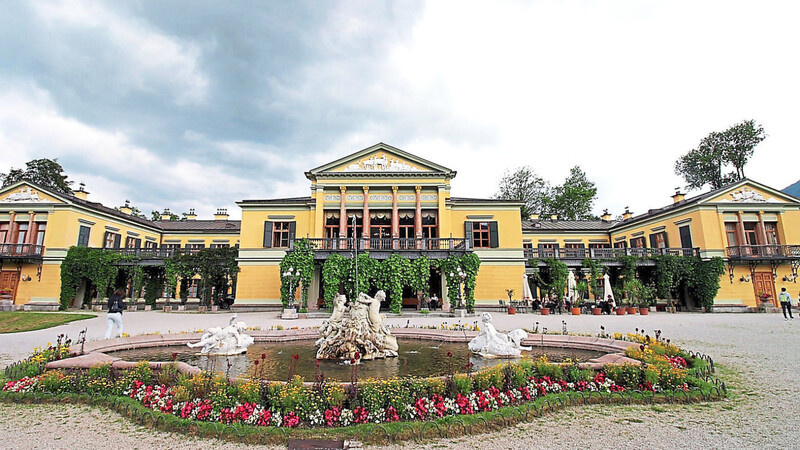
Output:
x=666 y=240
x=468 y=234
x=292 y=230
x=267 y=234
x=117 y=238
x=653 y=242
x=83 y=236
x=138 y=243
x=494 y=239
x=686 y=236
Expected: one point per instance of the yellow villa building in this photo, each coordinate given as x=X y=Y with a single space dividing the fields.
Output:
x=387 y=201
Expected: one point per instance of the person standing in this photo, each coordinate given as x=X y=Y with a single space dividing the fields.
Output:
x=786 y=303
x=116 y=305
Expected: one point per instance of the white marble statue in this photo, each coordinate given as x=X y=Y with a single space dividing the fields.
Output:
x=230 y=340
x=494 y=344
x=359 y=336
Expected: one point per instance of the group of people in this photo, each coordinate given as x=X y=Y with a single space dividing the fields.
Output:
x=557 y=305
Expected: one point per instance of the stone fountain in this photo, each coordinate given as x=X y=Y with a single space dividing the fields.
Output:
x=491 y=343
x=356 y=332
x=230 y=340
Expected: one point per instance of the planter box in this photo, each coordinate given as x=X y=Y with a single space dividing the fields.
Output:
x=545 y=311
x=512 y=310
x=621 y=311
x=631 y=310
x=644 y=311
x=597 y=311
x=575 y=311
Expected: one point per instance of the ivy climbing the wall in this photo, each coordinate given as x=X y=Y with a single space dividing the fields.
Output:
x=334 y=273
x=94 y=265
x=469 y=265
x=301 y=262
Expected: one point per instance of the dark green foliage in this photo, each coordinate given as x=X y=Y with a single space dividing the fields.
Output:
x=45 y=172
x=301 y=260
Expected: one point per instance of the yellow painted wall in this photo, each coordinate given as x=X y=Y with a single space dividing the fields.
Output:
x=673 y=236
x=509 y=224
x=259 y=284
x=493 y=280
x=253 y=223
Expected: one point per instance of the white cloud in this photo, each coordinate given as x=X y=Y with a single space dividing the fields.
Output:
x=143 y=58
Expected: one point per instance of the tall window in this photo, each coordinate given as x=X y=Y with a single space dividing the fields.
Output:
x=132 y=242
x=151 y=245
x=600 y=245
x=621 y=244
x=280 y=234
x=574 y=251
x=750 y=235
x=41 y=227
x=220 y=245
x=547 y=250
x=22 y=233
x=170 y=249
x=481 y=235
x=658 y=240
x=730 y=231
x=195 y=248
x=637 y=242
x=429 y=227
x=3 y=231
x=83 y=236
x=111 y=240
x=771 y=230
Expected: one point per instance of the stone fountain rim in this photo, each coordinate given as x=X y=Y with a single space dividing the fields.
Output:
x=96 y=352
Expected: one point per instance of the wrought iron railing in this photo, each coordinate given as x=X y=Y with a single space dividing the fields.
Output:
x=388 y=244
x=606 y=253
x=764 y=251
x=156 y=253
x=21 y=250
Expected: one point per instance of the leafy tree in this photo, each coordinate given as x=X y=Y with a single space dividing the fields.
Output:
x=721 y=156
x=574 y=199
x=155 y=216
x=524 y=185
x=45 y=172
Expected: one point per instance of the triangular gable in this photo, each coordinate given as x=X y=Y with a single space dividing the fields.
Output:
x=24 y=192
x=381 y=158
x=750 y=192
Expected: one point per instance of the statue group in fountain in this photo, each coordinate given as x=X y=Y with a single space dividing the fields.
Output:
x=356 y=332
x=491 y=343
x=230 y=340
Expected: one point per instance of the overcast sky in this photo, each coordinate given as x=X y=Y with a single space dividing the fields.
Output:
x=201 y=104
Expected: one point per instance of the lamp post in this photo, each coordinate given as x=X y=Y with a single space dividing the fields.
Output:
x=461 y=277
x=292 y=275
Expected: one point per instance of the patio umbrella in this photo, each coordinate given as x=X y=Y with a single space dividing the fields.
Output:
x=607 y=290
x=571 y=286
x=526 y=288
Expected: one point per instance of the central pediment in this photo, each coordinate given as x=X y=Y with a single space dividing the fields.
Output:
x=380 y=160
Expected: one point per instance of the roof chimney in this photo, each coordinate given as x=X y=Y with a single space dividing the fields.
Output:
x=166 y=215
x=221 y=214
x=627 y=214
x=191 y=215
x=127 y=208
x=606 y=217
x=81 y=192
x=534 y=217
x=679 y=196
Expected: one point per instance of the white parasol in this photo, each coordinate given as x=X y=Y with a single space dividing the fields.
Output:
x=607 y=292
x=571 y=286
x=526 y=288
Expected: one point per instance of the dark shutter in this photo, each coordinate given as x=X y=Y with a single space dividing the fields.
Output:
x=83 y=236
x=468 y=234
x=666 y=240
x=653 y=241
x=267 y=234
x=494 y=240
x=686 y=236
x=137 y=243
x=556 y=252
x=117 y=238
x=187 y=246
x=292 y=231
x=105 y=239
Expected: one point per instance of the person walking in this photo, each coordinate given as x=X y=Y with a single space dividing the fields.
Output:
x=116 y=305
x=786 y=303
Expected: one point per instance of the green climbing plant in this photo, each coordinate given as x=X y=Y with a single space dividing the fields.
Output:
x=558 y=273
x=179 y=269
x=596 y=270
x=301 y=262
x=704 y=281
x=469 y=264
x=334 y=273
x=98 y=266
x=394 y=273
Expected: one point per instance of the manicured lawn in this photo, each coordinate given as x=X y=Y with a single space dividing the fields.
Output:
x=16 y=321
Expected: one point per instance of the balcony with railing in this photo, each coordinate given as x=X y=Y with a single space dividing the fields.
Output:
x=21 y=251
x=432 y=247
x=579 y=254
x=774 y=251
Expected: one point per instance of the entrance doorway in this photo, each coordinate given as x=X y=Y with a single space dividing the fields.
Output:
x=9 y=280
x=764 y=283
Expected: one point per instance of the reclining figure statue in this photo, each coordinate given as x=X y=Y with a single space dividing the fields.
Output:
x=491 y=343
x=229 y=340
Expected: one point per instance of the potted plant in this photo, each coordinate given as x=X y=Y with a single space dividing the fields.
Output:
x=764 y=300
x=544 y=311
x=5 y=294
x=511 y=308
x=632 y=289
x=621 y=310
x=582 y=289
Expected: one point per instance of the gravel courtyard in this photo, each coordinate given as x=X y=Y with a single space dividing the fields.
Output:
x=756 y=352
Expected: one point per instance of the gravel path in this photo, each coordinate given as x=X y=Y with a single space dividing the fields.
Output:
x=755 y=350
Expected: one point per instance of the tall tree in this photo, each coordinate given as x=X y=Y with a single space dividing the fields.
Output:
x=523 y=185
x=574 y=199
x=45 y=172
x=721 y=156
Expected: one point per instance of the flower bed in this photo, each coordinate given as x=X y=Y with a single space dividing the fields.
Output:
x=663 y=368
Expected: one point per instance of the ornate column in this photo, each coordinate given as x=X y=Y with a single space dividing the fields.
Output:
x=342 y=217
x=418 y=216
x=10 y=232
x=29 y=238
x=365 y=220
x=395 y=214
x=760 y=230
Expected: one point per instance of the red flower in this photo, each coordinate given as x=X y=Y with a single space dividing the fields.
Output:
x=358 y=355
x=332 y=416
x=263 y=356
x=391 y=414
x=295 y=357
x=264 y=419
x=290 y=420
x=360 y=415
